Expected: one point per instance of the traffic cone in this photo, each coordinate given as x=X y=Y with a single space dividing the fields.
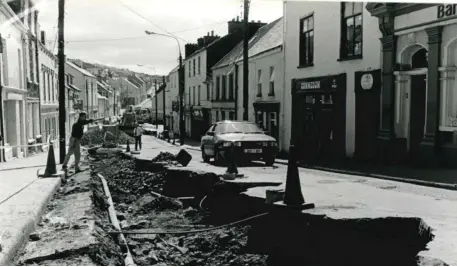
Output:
x=128 y=146
x=232 y=170
x=51 y=168
x=293 y=196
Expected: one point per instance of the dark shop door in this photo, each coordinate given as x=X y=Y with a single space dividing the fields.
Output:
x=417 y=113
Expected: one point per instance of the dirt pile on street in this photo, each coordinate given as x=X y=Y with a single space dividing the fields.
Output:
x=219 y=247
x=164 y=157
x=140 y=207
x=95 y=137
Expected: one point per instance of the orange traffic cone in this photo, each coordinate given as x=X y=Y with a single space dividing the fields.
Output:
x=128 y=146
x=51 y=168
x=232 y=170
x=293 y=196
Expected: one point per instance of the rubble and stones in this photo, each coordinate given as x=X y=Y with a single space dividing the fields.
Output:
x=95 y=136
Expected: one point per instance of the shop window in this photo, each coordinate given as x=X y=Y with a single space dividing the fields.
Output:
x=420 y=59
x=351 y=30
x=223 y=115
x=259 y=83
x=271 y=91
x=306 y=45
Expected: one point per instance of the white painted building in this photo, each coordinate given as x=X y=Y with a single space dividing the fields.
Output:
x=87 y=82
x=172 y=101
x=48 y=93
x=13 y=84
x=196 y=99
x=324 y=52
x=266 y=80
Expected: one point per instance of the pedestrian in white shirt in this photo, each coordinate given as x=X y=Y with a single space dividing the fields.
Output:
x=137 y=133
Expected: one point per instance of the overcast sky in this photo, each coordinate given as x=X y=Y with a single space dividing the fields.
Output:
x=88 y=23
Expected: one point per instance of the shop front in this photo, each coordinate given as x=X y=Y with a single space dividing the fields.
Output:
x=267 y=116
x=319 y=117
x=198 y=128
x=419 y=96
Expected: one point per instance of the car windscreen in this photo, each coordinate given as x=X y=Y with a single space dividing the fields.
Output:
x=226 y=128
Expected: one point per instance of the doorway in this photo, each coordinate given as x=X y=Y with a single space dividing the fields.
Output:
x=417 y=113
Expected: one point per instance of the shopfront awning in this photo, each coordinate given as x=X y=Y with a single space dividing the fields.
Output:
x=75 y=88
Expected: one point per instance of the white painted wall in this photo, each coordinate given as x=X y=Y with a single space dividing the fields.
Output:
x=50 y=62
x=326 y=52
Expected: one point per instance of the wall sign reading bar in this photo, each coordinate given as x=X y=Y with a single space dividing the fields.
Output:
x=446 y=10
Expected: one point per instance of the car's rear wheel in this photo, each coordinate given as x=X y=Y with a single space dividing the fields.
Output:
x=204 y=156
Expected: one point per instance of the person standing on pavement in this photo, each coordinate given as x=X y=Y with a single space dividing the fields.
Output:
x=137 y=132
x=77 y=132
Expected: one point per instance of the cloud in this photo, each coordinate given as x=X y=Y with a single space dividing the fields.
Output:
x=89 y=21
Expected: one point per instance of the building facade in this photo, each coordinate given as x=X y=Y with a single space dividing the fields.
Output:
x=87 y=82
x=419 y=97
x=14 y=93
x=332 y=70
x=172 y=106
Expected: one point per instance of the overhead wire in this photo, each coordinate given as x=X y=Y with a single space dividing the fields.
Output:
x=141 y=16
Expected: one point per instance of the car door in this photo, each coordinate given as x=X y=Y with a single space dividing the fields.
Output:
x=208 y=141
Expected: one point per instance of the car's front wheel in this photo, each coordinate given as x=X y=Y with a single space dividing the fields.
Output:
x=204 y=156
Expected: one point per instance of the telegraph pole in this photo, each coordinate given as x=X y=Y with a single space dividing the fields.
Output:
x=164 y=88
x=245 y=61
x=157 y=115
x=61 y=56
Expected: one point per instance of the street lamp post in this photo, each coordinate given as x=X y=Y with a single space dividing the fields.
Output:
x=180 y=87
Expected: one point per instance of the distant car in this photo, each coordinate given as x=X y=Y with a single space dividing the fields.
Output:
x=149 y=129
x=251 y=143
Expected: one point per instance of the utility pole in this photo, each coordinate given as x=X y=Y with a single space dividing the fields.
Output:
x=245 y=61
x=164 y=110
x=61 y=56
x=181 y=101
x=155 y=98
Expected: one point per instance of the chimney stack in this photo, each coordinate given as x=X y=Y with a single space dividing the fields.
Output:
x=237 y=18
x=43 y=38
x=212 y=33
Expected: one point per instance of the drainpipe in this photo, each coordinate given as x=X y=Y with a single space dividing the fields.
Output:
x=1 y=108
x=236 y=91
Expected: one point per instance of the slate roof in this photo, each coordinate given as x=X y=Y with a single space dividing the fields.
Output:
x=83 y=71
x=266 y=38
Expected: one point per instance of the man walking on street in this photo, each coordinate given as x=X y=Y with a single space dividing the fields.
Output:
x=137 y=133
x=77 y=132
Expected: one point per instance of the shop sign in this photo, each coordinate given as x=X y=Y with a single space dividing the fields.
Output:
x=446 y=10
x=366 y=81
x=310 y=85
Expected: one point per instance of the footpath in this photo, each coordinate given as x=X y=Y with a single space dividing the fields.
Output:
x=23 y=199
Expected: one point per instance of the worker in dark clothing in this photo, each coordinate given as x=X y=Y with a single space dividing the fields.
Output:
x=77 y=132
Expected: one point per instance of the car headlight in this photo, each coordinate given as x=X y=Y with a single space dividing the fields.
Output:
x=228 y=144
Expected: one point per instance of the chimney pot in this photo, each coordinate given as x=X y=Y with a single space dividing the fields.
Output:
x=259 y=21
